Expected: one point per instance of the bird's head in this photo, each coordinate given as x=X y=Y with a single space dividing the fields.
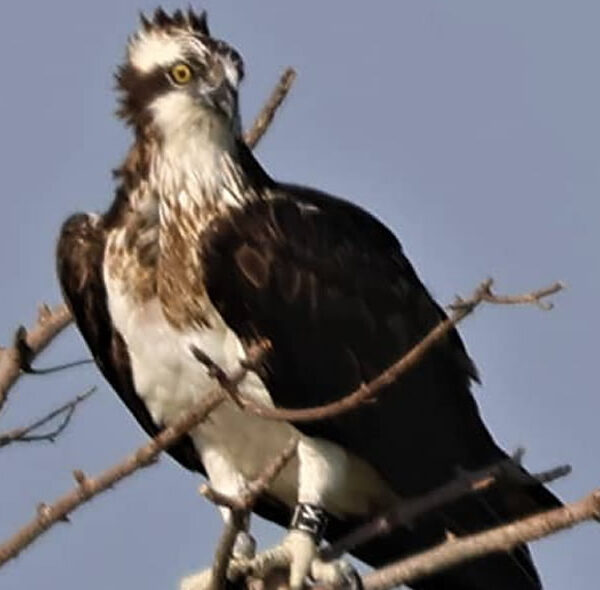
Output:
x=177 y=77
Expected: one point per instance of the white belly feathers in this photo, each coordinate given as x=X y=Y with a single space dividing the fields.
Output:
x=234 y=445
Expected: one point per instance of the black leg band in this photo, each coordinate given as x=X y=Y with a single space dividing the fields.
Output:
x=311 y=519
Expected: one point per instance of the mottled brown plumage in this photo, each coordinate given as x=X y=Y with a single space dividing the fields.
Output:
x=79 y=257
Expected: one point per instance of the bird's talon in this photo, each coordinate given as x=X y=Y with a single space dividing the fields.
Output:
x=338 y=573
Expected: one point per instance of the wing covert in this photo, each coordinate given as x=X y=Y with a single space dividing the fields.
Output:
x=329 y=286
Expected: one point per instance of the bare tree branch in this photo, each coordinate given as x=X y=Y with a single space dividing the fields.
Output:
x=229 y=383
x=262 y=565
x=534 y=297
x=24 y=434
x=368 y=391
x=218 y=572
x=453 y=551
x=239 y=507
x=87 y=487
x=464 y=484
x=28 y=344
x=504 y=538
x=246 y=500
x=265 y=117
x=56 y=368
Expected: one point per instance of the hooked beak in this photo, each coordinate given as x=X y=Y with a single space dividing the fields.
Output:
x=222 y=98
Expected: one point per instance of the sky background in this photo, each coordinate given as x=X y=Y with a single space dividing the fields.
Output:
x=470 y=127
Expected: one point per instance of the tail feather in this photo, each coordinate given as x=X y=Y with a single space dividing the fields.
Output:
x=513 y=570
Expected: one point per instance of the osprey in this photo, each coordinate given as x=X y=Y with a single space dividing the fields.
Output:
x=201 y=248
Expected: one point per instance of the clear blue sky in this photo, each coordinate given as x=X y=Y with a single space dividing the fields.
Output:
x=470 y=127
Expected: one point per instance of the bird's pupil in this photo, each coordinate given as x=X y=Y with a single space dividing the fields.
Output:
x=181 y=73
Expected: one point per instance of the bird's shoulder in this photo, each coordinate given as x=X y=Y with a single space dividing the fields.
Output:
x=299 y=235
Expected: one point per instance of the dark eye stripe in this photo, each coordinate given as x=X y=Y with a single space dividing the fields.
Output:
x=139 y=90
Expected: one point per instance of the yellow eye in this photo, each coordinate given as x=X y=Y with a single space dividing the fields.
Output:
x=181 y=73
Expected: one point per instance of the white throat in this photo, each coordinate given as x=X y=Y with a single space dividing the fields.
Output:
x=196 y=170
x=192 y=159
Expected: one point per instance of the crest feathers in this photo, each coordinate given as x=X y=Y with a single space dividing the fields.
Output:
x=162 y=20
x=199 y=22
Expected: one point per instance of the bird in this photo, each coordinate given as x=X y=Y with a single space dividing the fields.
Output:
x=202 y=249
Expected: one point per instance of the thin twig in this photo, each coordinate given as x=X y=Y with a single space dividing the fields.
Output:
x=533 y=298
x=28 y=344
x=504 y=538
x=240 y=506
x=65 y=411
x=260 y=485
x=56 y=368
x=26 y=354
x=461 y=308
x=464 y=484
x=246 y=500
x=233 y=526
x=88 y=487
x=230 y=383
x=144 y=456
x=265 y=117
x=219 y=498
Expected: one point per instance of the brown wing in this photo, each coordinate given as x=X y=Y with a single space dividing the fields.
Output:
x=80 y=254
x=331 y=290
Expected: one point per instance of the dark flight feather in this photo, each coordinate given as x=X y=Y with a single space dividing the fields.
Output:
x=331 y=289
